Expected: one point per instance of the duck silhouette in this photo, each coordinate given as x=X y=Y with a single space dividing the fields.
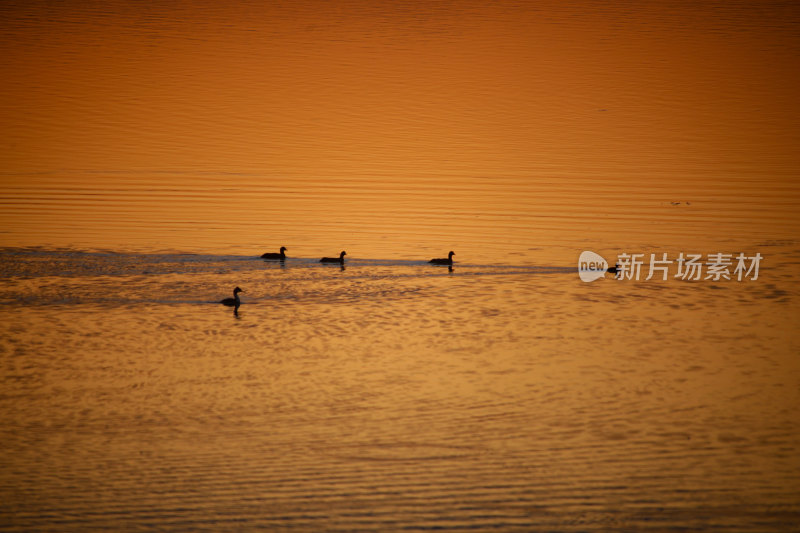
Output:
x=235 y=301
x=272 y=255
x=442 y=260
x=339 y=259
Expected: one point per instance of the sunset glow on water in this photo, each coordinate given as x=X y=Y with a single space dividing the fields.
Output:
x=151 y=153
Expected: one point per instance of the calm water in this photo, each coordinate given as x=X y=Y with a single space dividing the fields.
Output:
x=393 y=395
x=151 y=154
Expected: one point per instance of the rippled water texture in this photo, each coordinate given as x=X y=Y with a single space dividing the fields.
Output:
x=495 y=129
x=393 y=395
x=152 y=152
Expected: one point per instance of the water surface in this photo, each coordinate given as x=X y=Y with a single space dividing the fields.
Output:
x=392 y=395
x=152 y=153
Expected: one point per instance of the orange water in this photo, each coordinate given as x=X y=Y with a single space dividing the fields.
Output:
x=505 y=395
x=240 y=127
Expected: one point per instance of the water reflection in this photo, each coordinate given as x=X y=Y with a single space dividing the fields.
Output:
x=126 y=404
x=115 y=380
x=508 y=147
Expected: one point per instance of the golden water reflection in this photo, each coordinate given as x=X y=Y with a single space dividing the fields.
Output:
x=240 y=126
x=503 y=395
x=391 y=394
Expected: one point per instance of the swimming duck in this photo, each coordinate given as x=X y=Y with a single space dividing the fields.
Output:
x=235 y=301
x=273 y=255
x=442 y=260
x=339 y=259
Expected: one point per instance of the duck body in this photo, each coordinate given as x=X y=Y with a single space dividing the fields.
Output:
x=235 y=301
x=442 y=260
x=339 y=259
x=272 y=255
